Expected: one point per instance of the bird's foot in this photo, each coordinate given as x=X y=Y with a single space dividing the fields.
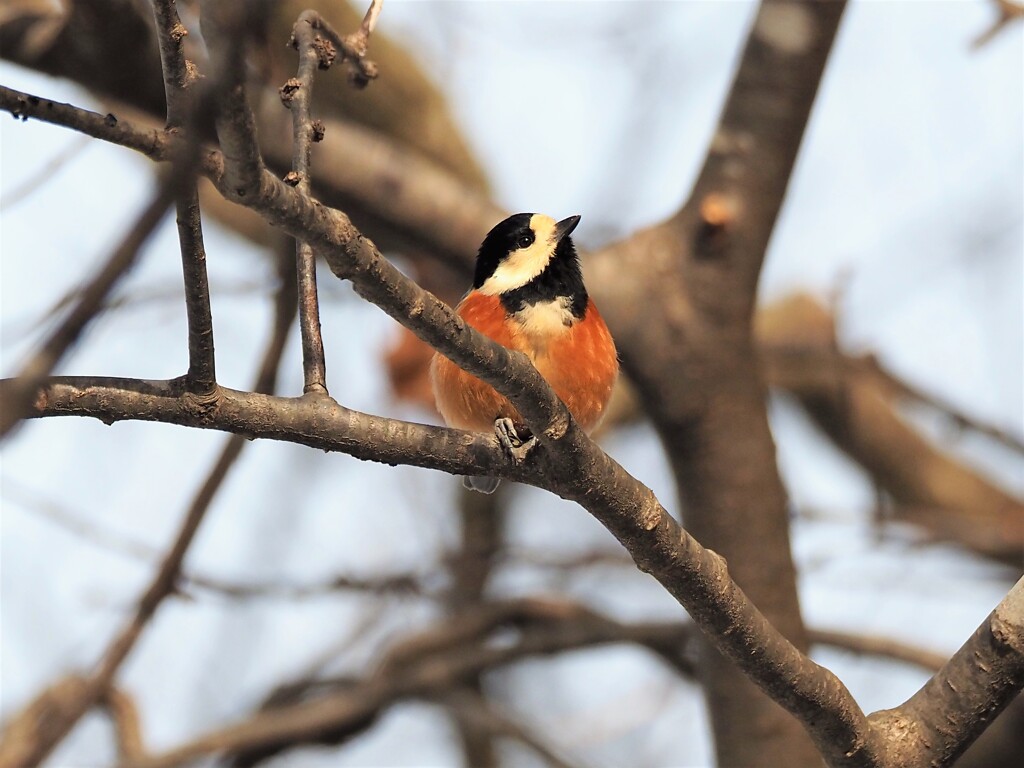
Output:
x=515 y=445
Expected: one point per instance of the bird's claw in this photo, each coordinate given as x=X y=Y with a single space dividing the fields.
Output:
x=515 y=447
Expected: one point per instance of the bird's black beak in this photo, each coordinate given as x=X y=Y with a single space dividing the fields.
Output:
x=565 y=226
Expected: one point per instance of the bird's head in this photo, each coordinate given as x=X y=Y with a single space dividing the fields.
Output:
x=520 y=249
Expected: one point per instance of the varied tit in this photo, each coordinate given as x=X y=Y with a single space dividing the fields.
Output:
x=528 y=295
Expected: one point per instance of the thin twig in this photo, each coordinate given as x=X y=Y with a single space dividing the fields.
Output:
x=1009 y=12
x=297 y=95
x=42 y=176
x=179 y=79
x=179 y=73
x=201 y=377
x=124 y=716
x=370 y=19
x=354 y=46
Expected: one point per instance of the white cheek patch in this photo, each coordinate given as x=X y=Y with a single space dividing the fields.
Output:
x=523 y=265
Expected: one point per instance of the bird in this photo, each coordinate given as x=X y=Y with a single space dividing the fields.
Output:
x=528 y=295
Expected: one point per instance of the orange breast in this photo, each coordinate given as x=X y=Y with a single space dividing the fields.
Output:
x=579 y=363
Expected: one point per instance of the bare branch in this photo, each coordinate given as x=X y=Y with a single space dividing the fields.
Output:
x=179 y=73
x=853 y=400
x=1009 y=12
x=297 y=95
x=124 y=715
x=179 y=78
x=353 y=47
x=425 y=666
x=434 y=665
x=951 y=710
x=154 y=144
x=201 y=375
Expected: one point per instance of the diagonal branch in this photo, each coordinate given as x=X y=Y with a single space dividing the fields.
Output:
x=950 y=711
x=19 y=394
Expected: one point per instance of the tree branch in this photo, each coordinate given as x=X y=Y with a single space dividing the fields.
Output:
x=20 y=392
x=854 y=402
x=941 y=720
x=179 y=84
x=297 y=94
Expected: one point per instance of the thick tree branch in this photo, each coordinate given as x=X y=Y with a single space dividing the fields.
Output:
x=325 y=425
x=941 y=720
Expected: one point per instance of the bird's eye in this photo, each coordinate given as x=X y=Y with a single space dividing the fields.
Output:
x=525 y=241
